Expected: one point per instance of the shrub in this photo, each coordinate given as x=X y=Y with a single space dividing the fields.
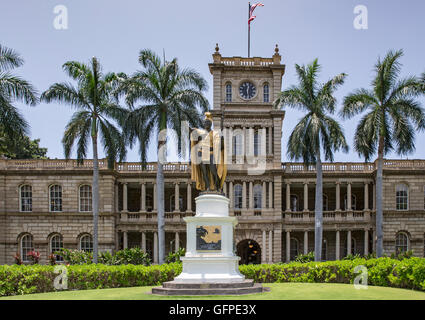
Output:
x=131 y=256
x=34 y=256
x=23 y=279
x=75 y=256
x=303 y=258
x=175 y=256
x=18 y=259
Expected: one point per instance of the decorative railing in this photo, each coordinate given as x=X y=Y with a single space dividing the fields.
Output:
x=246 y=62
x=287 y=167
x=328 y=216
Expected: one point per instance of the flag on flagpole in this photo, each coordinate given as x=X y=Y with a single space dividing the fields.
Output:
x=251 y=11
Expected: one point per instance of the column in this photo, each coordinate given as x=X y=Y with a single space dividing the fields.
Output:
x=225 y=188
x=366 y=242
x=366 y=196
x=348 y=196
x=143 y=197
x=270 y=140
x=305 y=196
x=244 y=195
x=374 y=240
x=264 y=196
x=270 y=246
x=338 y=196
x=144 y=241
x=154 y=197
x=337 y=246
x=155 y=247
x=288 y=246
x=231 y=196
x=117 y=240
x=264 y=249
x=116 y=198
x=177 y=242
x=244 y=142
x=189 y=196
x=270 y=194
x=125 y=239
x=305 y=242
x=176 y=197
x=374 y=196
x=124 y=197
x=251 y=196
x=288 y=197
x=348 y=242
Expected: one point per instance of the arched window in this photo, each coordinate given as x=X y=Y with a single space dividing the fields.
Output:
x=55 y=195
x=238 y=196
x=173 y=203
x=25 y=194
x=402 y=197
x=228 y=92
x=294 y=203
x=353 y=202
x=86 y=243
x=266 y=92
x=56 y=244
x=325 y=250
x=294 y=248
x=401 y=243
x=258 y=193
x=325 y=203
x=26 y=247
x=85 y=198
x=237 y=145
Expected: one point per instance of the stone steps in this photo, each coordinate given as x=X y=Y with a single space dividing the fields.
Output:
x=173 y=288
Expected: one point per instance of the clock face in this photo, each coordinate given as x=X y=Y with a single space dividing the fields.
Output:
x=247 y=90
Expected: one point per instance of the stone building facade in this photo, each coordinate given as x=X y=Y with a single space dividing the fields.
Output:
x=46 y=204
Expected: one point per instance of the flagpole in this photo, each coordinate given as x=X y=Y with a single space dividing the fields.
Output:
x=249 y=28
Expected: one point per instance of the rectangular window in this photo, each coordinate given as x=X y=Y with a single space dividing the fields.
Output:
x=402 y=197
x=55 y=198
x=26 y=198
x=85 y=199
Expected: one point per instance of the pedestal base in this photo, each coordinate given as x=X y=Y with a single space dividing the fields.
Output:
x=210 y=269
x=175 y=288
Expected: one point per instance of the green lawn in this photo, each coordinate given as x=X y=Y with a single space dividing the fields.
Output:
x=279 y=291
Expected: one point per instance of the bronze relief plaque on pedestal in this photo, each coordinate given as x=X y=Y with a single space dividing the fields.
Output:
x=208 y=238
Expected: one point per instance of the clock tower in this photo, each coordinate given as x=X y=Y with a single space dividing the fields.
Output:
x=243 y=93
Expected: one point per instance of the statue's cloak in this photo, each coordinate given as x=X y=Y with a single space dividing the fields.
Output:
x=219 y=156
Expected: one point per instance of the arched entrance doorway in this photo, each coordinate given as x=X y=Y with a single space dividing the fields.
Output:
x=249 y=251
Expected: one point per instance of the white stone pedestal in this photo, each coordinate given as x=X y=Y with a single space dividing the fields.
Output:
x=207 y=258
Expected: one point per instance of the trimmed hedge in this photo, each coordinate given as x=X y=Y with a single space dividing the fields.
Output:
x=20 y=279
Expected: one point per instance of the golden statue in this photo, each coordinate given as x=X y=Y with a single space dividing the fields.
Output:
x=208 y=159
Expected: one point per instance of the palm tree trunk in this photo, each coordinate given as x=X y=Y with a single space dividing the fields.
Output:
x=379 y=211
x=318 y=210
x=95 y=198
x=160 y=192
x=160 y=204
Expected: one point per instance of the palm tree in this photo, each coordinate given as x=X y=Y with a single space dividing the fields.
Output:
x=316 y=132
x=168 y=96
x=13 y=88
x=392 y=117
x=97 y=110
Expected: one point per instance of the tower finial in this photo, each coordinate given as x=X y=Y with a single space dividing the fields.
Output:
x=276 y=50
x=217 y=48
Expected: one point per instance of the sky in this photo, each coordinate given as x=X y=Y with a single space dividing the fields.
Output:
x=115 y=32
